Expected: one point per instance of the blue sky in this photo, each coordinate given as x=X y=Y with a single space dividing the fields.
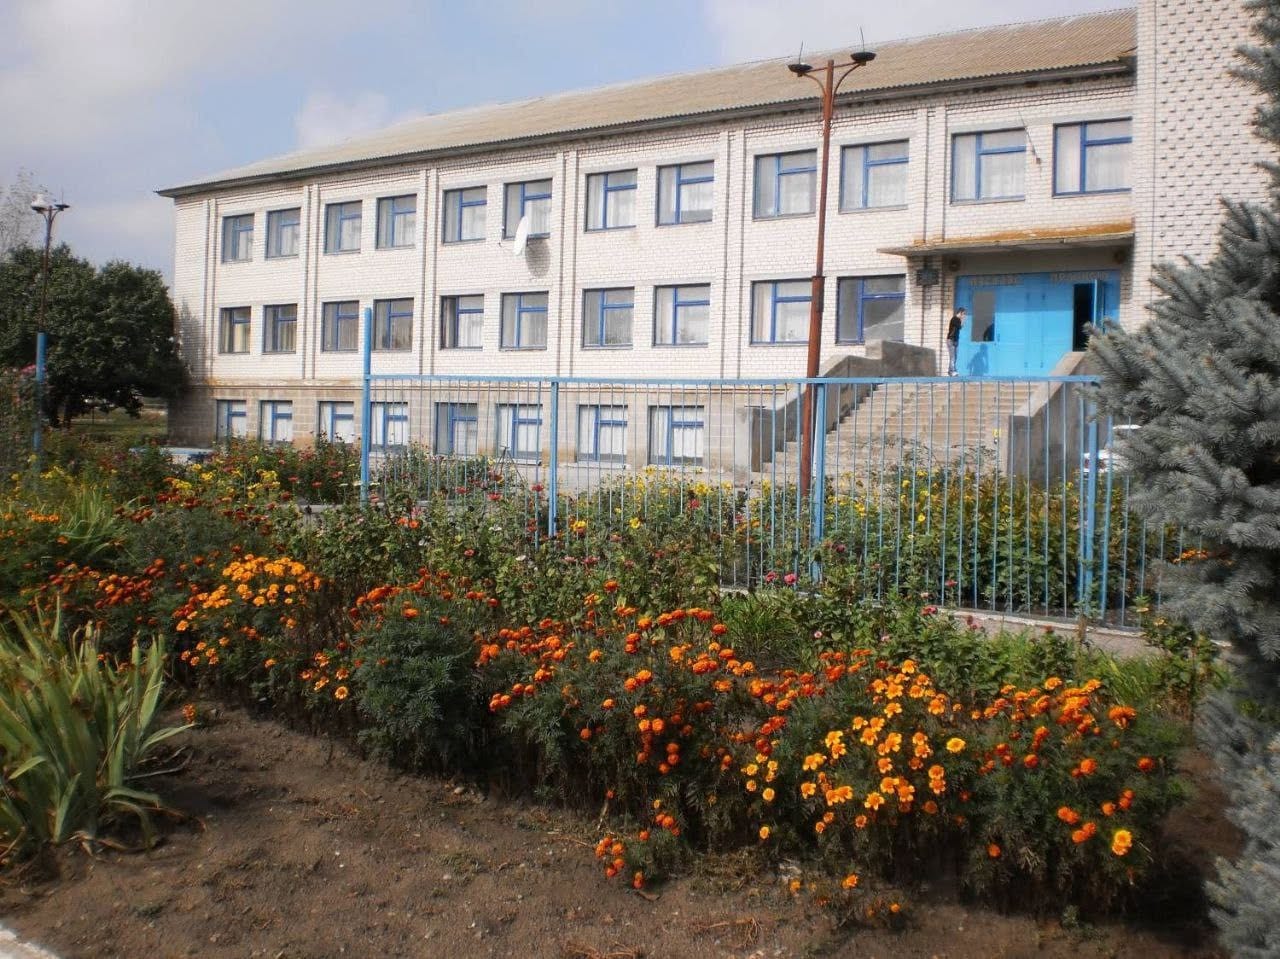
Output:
x=106 y=101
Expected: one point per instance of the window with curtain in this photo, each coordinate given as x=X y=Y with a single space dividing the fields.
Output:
x=1092 y=157
x=337 y=421
x=231 y=419
x=611 y=200
x=531 y=198
x=989 y=166
x=279 y=328
x=233 y=336
x=237 y=238
x=389 y=425
x=340 y=327
x=282 y=232
x=682 y=315
x=519 y=430
x=785 y=183
x=602 y=433
x=873 y=175
x=393 y=324
x=677 y=435
x=686 y=193
x=607 y=317
x=457 y=429
x=780 y=311
x=524 y=321
x=462 y=322
x=464 y=214
x=275 y=421
x=342 y=227
x=870 y=308
x=397 y=220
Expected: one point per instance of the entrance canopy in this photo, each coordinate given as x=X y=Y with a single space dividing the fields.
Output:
x=1085 y=237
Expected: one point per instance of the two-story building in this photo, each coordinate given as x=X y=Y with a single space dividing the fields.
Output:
x=1031 y=173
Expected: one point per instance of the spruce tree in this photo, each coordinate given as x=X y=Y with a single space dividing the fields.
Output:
x=1202 y=378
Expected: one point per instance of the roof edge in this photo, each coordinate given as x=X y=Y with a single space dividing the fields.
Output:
x=1120 y=65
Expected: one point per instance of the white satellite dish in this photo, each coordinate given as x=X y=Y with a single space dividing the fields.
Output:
x=522 y=236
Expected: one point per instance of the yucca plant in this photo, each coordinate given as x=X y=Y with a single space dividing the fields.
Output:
x=75 y=732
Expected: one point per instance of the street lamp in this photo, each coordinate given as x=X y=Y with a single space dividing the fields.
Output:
x=829 y=84
x=49 y=209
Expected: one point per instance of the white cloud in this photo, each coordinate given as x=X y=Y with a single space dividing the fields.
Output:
x=326 y=118
x=757 y=29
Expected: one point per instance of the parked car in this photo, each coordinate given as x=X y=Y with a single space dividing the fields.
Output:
x=1108 y=458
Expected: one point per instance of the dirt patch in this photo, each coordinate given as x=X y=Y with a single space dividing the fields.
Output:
x=300 y=851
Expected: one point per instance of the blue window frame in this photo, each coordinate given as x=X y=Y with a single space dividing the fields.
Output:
x=462 y=322
x=602 y=433
x=464 y=214
x=989 y=166
x=283 y=229
x=275 y=421
x=397 y=218
x=785 y=184
x=342 y=227
x=682 y=315
x=524 y=321
x=531 y=198
x=340 y=327
x=233 y=335
x=1092 y=157
x=780 y=311
x=686 y=193
x=871 y=308
x=677 y=435
x=873 y=175
x=337 y=421
x=231 y=420
x=611 y=200
x=457 y=429
x=389 y=426
x=520 y=430
x=237 y=238
x=392 y=325
x=279 y=328
x=607 y=318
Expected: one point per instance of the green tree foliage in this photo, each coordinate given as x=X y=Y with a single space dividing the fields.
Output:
x=1202 y=377
x=110 y=331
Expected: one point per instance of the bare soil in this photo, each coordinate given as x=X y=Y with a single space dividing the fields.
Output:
x=297 y=849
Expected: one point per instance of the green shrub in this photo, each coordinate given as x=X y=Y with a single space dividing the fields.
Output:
x=75 y=733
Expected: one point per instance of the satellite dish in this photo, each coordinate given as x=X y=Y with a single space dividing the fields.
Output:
x=522 y=236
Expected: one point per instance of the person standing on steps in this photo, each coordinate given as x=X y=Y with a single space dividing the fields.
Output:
x=953 y=339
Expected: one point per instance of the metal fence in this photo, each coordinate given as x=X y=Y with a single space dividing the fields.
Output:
x=997 y=493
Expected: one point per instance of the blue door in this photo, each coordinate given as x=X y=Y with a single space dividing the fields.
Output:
x=1023 y=324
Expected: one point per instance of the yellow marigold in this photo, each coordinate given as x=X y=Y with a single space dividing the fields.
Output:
x=839 y=795
x=1121 y=841
x=808 y=789
x=873 y=801
x=767 y=795
x=764 y=832
x=955 y=744
x=814 y=761
x=340 y=693
x=849 y=882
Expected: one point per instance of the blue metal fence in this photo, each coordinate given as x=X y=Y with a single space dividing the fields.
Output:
x=1001 y=493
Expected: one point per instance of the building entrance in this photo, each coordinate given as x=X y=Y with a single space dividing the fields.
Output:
x=1021 y=324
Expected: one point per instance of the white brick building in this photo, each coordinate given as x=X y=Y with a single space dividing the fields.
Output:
x=1031 y=173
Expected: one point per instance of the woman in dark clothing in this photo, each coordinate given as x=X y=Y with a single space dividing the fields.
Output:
x=953 y=339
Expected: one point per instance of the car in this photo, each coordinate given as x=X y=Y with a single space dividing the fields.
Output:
x=1108 y=458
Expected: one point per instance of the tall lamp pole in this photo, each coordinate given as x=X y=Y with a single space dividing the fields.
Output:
x=49 y=209
x=829 y=84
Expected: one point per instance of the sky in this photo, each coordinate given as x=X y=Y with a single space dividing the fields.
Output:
x=107 y=101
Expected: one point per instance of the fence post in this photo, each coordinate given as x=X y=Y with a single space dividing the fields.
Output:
x=366 y=405
x=818 y=487
x=37 y=438
x=1089 y=517
x=553 y=478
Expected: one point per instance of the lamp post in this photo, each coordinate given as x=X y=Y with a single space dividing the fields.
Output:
x=49 y=209
x=829 y=84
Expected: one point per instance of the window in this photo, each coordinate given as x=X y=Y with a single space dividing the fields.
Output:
x=531 y=199
x=342 y=227
x=457 y=429
x=519 y=430
x=676 y=435
x=282 y=232
x=780 y=311
x=275 y=421
x=685 y=193
x=397 y=217
x=232 y=420
x=279 y=328
x=389 y=426
x=393 y=324
x=874 y=175
x=524 y=321
x=340 y=327
x=870 y=308
x=461 y=322
x=602 y=434
x=682 y=315
x=233 y=336
x=1092 y=157
x=237 y=238
x=606 y=317
x=464 y=214
x=611 y=200
x=337 y=421
x=989 y=166
x=784 y=183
